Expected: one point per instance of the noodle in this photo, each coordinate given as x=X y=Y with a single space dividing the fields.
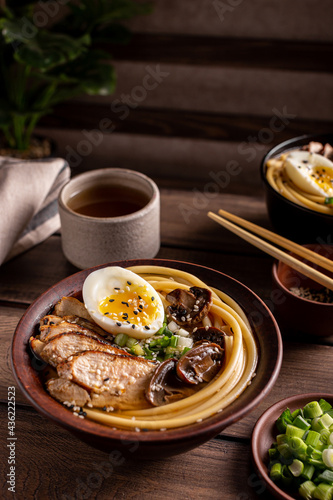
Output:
x=280 y=182
x=240 y=362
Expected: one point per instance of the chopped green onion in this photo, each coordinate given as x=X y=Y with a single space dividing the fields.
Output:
x=296 y=467
x=301 y=423
x=323 y=492
x=324 y=436
x=130 y=342
x=312 y=410
x=161 y=330
x=324 y=405
x=137 y=350
x=293 y=431
x=312 y=438
x=284 y=419
x=308 y=471
x=273 y=453
x=326 y=476
x=276 y=472
x=121 y=339
x=174 y=341
x=285 y=451
x=325 y=421
x=329 y=200
x=328 y=457
x=306 y=490
x=298 y=447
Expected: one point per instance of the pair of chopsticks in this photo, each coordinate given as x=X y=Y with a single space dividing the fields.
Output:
x=224 y=220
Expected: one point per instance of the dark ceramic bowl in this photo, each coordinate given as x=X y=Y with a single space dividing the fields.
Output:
x=289 y=219
x=297 y=314
x=162 y=443
x=265 y=432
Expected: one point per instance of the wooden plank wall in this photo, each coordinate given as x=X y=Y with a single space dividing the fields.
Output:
x=206 y=85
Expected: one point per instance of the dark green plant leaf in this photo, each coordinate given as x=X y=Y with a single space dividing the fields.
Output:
x=48 y=50
x=5 y=118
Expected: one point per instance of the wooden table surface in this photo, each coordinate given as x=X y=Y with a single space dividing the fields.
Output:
x=52 y=464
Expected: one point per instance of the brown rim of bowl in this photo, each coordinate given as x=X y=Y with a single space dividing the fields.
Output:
x=27 y=377
x=256 y=457
x=290 y=145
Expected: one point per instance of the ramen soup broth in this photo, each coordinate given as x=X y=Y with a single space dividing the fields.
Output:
x=108 y=201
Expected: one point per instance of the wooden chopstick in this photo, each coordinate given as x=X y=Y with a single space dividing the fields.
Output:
x=306 y=253
x=275 y=252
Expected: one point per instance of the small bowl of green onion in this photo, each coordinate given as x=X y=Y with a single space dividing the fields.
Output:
x=292 y=447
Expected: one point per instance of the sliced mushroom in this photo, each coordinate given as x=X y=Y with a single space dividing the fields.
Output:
x=201 y=363
x=165 y=387
x=210 y=334
x=189 y=307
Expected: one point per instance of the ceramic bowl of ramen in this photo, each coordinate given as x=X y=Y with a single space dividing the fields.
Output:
x=294 y=210
x=158 y=403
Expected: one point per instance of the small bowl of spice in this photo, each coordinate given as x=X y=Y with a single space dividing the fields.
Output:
x=300 y=304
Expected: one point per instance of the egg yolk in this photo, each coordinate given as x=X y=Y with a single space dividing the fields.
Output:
x=322 y=179
x=133 y=305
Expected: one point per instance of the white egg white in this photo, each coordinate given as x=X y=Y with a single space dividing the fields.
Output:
x=102 y=283
x=300 y=167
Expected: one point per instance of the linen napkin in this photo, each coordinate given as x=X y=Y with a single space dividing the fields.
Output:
x=28 y=202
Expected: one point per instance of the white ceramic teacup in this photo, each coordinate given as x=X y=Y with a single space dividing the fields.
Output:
x=88 y=240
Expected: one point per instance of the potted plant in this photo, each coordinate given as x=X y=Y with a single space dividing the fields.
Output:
x=49 y=53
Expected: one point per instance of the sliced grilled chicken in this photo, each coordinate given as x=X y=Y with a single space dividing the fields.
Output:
x=86 y=324
x=66 y=392
x=61 y=347
x=70 y=306
x=48 y=332
x=117 y=381
x=50 y=319
x=36 y=346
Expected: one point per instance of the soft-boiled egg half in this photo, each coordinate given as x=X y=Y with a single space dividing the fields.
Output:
x=120 y=301
x=310 y=172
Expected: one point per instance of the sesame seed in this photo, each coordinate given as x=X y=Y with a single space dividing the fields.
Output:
x=139 y=297
x=118 y=324
x=135 y=312
x=129 y=283
x=133 y=326
x=153 y=298
x=116 y=288
x=111 y=300
x=106 y=379
x=106 y=313
x=126 y=303
x=147 y=327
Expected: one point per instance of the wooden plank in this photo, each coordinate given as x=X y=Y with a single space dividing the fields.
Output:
x=294 y=378
x=218 y=89
x=170 y=123
x=67 y=469
x=171 y=161
x=277 y=19
x=184 y=223
x=227 y=52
